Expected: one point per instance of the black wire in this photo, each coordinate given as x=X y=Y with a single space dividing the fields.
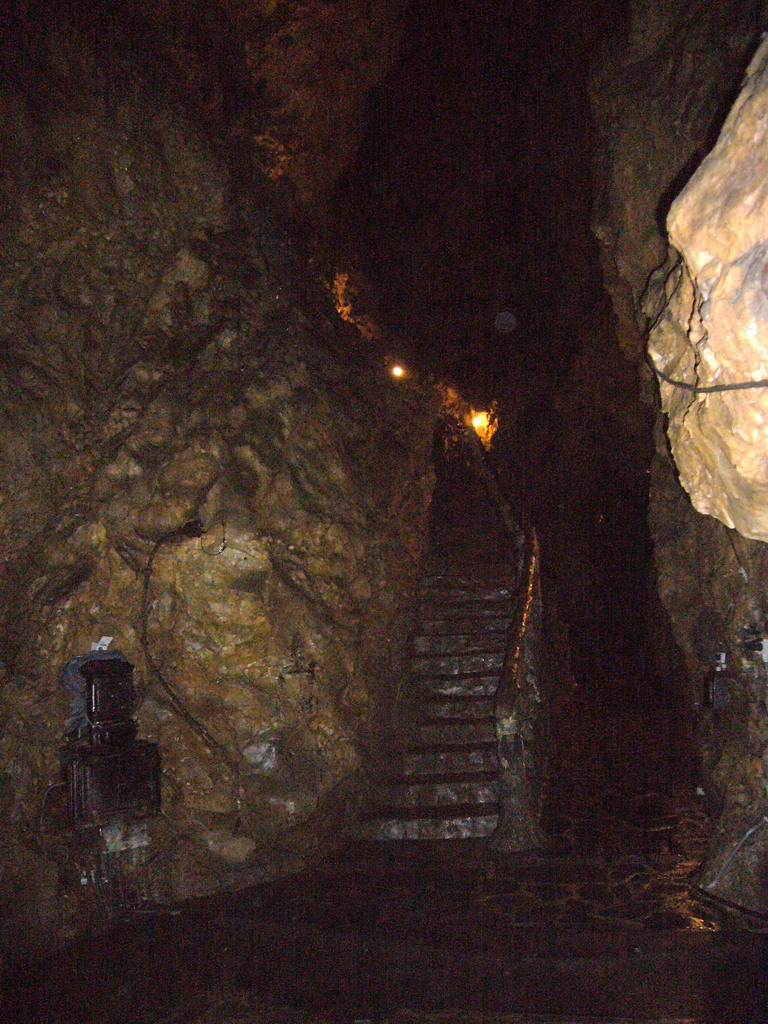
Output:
x=705 y=389
x=46 y=794
x=706 y=894
x=194 y=528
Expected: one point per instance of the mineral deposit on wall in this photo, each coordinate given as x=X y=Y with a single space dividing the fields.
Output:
x=713 y=329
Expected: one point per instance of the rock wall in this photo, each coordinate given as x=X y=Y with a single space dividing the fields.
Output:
x=658 y=97
x=710 y=332
x=166 y=360
x=658 y=113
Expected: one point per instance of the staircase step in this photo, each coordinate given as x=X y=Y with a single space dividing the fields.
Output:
x=456 y=826
x=423 y=794
x=474 y=774
x=458 y=590
x=466 y=604
x=458 y=686
x=461 y=624
x=463 y=707
x=455 y=731
x=454 y=758
x=438 y=645
x=455 y=665
x=475 y=613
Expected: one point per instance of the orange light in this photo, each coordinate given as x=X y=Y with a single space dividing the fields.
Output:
x=484 y=423
x=397 y=371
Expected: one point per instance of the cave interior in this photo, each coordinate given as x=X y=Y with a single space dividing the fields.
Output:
x=224 y=224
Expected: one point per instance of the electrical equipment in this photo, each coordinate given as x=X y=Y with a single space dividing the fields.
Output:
x=110 y=776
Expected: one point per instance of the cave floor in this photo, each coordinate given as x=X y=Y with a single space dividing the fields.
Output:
x=602 y=924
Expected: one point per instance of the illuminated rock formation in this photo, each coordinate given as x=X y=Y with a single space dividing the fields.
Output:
x=714 y=329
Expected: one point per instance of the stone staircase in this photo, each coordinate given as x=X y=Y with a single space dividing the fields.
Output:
x=447 y=781
x=448 y=787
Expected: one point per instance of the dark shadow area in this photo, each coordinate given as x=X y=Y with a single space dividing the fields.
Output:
x=689 y=168
x=471 y=195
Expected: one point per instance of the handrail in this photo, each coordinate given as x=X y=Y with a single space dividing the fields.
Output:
x=512 y=684
x=518 y=697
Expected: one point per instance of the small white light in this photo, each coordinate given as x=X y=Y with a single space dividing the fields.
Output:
x=397 y=371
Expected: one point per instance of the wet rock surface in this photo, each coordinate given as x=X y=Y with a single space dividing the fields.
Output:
x=200 y=461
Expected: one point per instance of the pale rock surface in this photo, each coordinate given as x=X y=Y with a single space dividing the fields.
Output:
x=655 y=97
x=714 y=327
x=658 y=102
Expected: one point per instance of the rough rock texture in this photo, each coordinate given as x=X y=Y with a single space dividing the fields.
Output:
x=284 y=84
x=712 y=328
x=165 y=360
x=658 y=102
x=317 y=89
x=658 y=114
x=708 y=308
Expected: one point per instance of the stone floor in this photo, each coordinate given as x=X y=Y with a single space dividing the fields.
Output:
x=604 y=924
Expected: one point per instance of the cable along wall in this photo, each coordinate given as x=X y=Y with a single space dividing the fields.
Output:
x=709 y=343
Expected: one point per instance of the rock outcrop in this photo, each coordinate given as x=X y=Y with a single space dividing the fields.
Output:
x=656 y=127
x=658 y=101
x=708 y=331
x=201 y=461
x=711 y=332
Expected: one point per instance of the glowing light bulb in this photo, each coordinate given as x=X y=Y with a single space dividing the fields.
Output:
x=397 y=371
x=484 y=423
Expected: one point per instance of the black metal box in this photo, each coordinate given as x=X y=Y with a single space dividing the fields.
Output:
x=109 y=692
x=108 y=783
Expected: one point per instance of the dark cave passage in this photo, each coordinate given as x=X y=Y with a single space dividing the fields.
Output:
x=471 y=195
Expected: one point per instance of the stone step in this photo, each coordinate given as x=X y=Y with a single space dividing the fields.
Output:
x=454 y=731
x=462 y=707
x=434 y=645
x=455 y=602
x=456 y=591
x=456 y=665
x=438 y=791
x=474 y=774
x=454 y=758
x=458 y=686
x=465 y=625
x=474 y=610
x=459 y=822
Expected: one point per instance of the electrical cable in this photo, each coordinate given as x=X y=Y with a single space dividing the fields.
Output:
x=730 y=904
x=46 y=794
x=194 y=528
x=726 y=863
x=705 y=389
